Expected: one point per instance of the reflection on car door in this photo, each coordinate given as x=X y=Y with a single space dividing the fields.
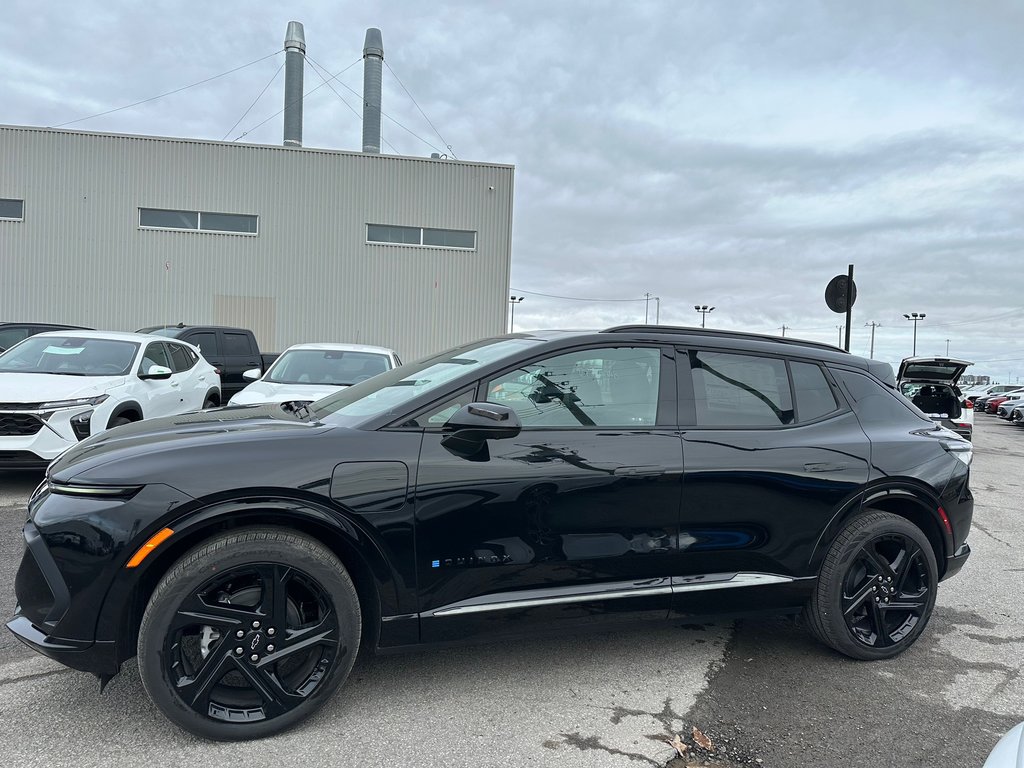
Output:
x=767 y=466
x=574 y=519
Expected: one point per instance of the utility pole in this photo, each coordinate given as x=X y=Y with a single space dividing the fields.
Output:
x=657 y=310
x=784 y=327
x=647 y=306
x=873 y=325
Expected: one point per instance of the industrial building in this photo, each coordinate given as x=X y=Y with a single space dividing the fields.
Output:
x=300 y=244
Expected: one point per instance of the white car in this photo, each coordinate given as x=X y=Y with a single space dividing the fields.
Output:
x=307 y=372
x=58 y=388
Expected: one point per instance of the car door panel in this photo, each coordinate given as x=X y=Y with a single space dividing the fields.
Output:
x=756 y=499
x=560 y=524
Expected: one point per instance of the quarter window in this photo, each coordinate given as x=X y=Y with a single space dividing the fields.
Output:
x=613 y=387
x=199 y=221
x=740 y=390
x=12 y=210
x=207 y=343
x=459 y=239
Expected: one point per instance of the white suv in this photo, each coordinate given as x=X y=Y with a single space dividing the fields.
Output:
x=61 y=387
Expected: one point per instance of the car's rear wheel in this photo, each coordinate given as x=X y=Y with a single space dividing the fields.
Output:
x=876 y=589
x=248 y=634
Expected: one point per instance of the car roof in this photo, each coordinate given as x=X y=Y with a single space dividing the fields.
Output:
x=110 y=335
x=342 y=347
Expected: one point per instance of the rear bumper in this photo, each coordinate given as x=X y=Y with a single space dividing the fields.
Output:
x=956 y=561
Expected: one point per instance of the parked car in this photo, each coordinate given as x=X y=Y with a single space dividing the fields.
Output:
x=307 y=372
x=648 y=472
x=232 y=351
x=60 y=387
x=1005 y=409
x=989 y=389
x=1009 y=751
x=12 y=333
x=931 y=384
x=992 y=402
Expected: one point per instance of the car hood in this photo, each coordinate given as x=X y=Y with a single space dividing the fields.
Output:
x=150 y=449
x=936 y=370
x=269 y=392
x=45 y=387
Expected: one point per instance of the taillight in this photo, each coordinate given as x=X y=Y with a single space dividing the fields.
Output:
x=217 y=371
x=968 y=404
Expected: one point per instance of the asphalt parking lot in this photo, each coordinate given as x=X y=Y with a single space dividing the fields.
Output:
x=763 y=691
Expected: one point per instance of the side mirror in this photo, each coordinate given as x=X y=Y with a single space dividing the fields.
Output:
x=156 y=372
x=252 y=374
x=470 y=427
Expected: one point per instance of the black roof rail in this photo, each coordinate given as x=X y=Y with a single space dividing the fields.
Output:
x=721 y=334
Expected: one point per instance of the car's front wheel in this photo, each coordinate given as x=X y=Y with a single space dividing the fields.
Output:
x=876 y=588
x=249 y=633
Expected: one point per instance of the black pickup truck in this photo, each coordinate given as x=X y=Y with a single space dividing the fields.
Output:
x=232 y=351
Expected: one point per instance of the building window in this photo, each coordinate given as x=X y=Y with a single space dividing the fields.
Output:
x=12 y=210
x=432 y=238
x=199 y=221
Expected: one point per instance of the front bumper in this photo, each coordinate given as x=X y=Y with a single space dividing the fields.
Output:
x=100 y=658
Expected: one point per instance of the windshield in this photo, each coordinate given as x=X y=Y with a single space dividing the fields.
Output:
x=331 y=367
x=70 y=356
x=387 y=393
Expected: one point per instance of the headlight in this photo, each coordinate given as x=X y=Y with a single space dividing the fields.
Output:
x=95 y=491
x=81 y=401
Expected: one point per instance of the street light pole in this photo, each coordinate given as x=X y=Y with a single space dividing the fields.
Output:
x=703 y=309
x=513 y=300
x=915 y=318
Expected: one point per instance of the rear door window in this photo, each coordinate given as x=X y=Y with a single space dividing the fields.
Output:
x=237 y=344
x=182 y=359
x=740 y=390
x=813 y=394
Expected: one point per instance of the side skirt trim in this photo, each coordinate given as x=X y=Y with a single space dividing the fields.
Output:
x=614 y=591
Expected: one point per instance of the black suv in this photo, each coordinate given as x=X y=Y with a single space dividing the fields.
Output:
x=12 y=333
x=536 y=481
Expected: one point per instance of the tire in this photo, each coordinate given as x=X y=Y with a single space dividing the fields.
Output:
x=120 y=421
x=248 y=634
x=876 y=588
x=210 y=403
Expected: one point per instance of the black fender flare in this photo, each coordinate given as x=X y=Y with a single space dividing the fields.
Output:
x=906 y=491
x=129 y=592
x=128 y=405
x=213 y=394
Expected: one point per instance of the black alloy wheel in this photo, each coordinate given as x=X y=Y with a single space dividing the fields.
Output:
x=255 y=647
x=877 y=588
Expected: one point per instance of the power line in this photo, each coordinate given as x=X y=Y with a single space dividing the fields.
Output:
x=228 y=133
x=420 y=109
x=169 y=93
x=572 y=298
x=296 y=101
x=384 y=114
x=317 y=68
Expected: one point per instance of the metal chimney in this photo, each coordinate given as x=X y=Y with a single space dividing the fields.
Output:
x=294 y=61
x=373 y=60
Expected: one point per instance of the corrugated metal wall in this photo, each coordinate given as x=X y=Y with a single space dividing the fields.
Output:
x=80 y=257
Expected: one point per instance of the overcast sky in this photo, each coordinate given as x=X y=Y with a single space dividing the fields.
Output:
x=736 y=154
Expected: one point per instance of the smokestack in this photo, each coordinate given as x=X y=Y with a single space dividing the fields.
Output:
x=373 y=59
x=294 y=61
